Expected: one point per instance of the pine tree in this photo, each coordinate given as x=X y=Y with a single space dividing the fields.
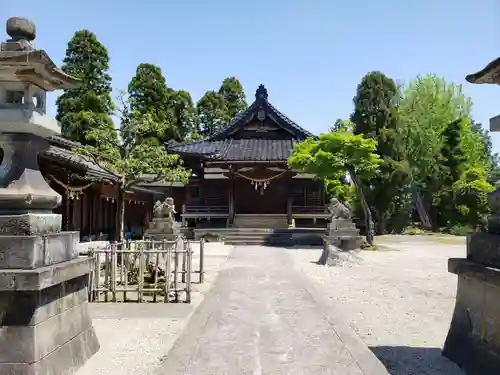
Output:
x=88 y=106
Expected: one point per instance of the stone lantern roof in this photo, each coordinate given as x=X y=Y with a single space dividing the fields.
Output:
x=20 y=59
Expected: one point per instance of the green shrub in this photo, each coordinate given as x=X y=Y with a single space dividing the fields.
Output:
x=414 y=230
x=460 y=230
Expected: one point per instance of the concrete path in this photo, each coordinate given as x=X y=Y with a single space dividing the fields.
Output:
x=263 y=317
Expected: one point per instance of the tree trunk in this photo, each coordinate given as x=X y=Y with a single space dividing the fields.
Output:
x=120 y=213
x=364 y=205
x=381 y=223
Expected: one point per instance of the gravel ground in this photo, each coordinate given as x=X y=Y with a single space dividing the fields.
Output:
x=399 y=302
x=134 y=337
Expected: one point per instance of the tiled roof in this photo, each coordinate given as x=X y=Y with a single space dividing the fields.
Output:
x=222 y=147
x=261 y=100
x=202 y=148
x=60 y=152
x=489 y=74
x=238 y=149
x=256 y=149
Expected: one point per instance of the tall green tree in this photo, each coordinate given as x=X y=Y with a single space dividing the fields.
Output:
x=451 y=163
x=89 y=106
x=130 y=161
x=333 y=155
x=435 y=120
x=492 y=158
x=184 y=114
x=375 y=116
x=149 y=94
x=211 y=113
x=452 y=154
x=233 y=95
x=427 y=105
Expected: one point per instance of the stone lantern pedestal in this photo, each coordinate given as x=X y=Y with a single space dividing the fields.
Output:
x=45 y=326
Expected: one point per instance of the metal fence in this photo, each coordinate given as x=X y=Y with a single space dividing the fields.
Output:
x=144 y=271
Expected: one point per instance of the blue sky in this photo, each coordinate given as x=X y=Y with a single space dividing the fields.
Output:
x=309 y=54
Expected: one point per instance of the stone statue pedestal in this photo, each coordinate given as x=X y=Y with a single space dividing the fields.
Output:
x=343 y=234
x=341 y=243
x=473 y=340
x=162 y=228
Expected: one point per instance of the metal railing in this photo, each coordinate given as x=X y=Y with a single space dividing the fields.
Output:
x=189 y=209
x=310 y=209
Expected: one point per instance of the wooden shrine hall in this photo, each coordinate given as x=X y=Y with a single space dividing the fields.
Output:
x=241 y=177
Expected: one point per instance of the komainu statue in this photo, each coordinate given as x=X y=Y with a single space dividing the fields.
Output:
x=165 y=209
x=169 y=209
x=338 y=210
x=158 y=209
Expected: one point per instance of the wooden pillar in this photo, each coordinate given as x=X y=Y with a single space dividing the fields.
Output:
x=231 y=200
x=187 y=189
x=95 y=212
x=322 y=193
x=83 y=209
x=102 y=217
x=74 y=214
x=289 y=210
x=91 y=213
x=66 y=211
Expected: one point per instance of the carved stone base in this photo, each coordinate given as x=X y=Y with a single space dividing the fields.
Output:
x=22 y=252
x=473 y=340
x=342 y=228
x=163 y=229
x=46 y=326
x=30 y=224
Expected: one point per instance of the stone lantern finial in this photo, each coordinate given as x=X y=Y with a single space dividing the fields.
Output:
x=20 y=28
x=22 y=33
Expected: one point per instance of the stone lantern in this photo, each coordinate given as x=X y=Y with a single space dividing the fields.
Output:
x=45 y=326
x=473 y=340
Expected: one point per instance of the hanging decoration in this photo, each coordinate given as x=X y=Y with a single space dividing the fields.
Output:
x=71 y=191
x=260 y=184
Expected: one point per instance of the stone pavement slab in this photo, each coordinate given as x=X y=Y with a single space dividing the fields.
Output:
x=264 y=317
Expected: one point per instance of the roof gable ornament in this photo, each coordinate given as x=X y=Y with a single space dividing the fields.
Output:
x=260 y=110
x=261 y=93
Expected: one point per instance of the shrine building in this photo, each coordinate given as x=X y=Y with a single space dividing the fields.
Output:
x=241 y=178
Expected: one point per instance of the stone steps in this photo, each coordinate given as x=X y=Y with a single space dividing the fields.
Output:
x=265 y=236
x=260 y=221
x=272 y=237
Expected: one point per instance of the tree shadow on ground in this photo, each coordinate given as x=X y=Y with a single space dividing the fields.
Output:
x=404 y=360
